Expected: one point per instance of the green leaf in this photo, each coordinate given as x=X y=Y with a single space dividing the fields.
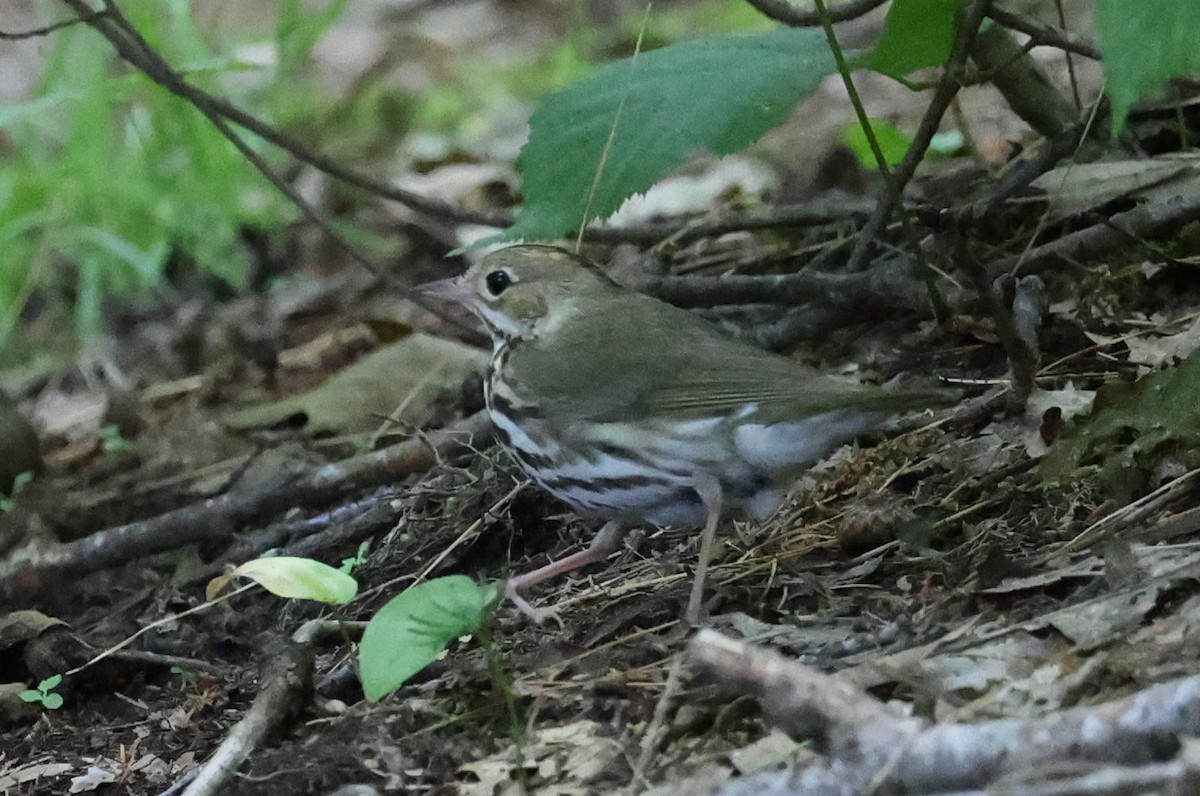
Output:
x=1131 y=427
x=892 y=142
x=1144 y=45
x=916 y=34
x=50 y=683
x=52 y=701
x=412 y=629
x=30 y=696
x=714 y=95
x=299 y=578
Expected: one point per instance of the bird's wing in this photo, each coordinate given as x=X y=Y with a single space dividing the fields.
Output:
x=651 y=359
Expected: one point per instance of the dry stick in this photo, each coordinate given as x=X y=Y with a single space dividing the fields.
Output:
x=1026 y=89
x=1176 y=778
x=220 y=517
x=1069 y=57
x=288 y=685
x=656 y=730
x=860 y=735
x=892 y=280
x=38 y=33
x=1020 y=174
x=1112 y=233
x=816 y=211
x=943 y=94
x=1043 y=35
x=1019 y=340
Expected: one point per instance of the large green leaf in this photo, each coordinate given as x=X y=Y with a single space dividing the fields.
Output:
x=1144 y=45
x=413 y=628
x=714 y=95
x=916 y=34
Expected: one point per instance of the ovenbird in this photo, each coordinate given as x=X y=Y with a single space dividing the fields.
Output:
x=633 y=410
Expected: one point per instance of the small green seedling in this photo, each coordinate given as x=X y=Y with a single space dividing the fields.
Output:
x=112 y=441
x=357 y=560
x=44 y=693
x=8 y=502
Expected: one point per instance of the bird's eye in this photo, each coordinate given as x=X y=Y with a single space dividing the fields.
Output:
x=497 y=282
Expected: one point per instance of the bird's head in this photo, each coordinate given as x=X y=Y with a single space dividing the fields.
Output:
x=524 y=291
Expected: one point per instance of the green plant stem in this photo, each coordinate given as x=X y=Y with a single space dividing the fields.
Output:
x=860 y=111
x=503 y=684
x=892 y=186
x=943 y=95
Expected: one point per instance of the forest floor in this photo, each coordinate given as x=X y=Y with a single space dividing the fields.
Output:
x=942 y=570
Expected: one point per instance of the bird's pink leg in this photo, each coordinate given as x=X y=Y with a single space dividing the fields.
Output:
x=713 y=496
x=604 y=544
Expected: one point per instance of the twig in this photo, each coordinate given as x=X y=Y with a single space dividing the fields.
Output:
x=1105 y=237
x=1024 y=87
x=1023 y=172
x=1043 y=35
x=37 y=33
x=683 y=231
x=1016 y=309
x=220 y=517
x=1124 y=517
x=288 y=686
x=892 y=280
x=656 y=730
x=943 y=94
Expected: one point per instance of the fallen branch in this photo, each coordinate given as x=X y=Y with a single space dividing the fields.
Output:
x=288 y=686
x=219 y=518
x=867 y=745
x=1105 y=237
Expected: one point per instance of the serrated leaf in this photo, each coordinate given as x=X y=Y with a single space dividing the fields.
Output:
x=412 y=629
x=714 y=95
x=294 y=578
x=1130 y=428
x=1144 y=45
x=916 y=34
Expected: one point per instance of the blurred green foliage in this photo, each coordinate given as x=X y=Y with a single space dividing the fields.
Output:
x=111 y=177
x=108 y=180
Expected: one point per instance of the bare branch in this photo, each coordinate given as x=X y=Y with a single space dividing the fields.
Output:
x=943 y=94
x=38 y=33
x=1042 y=35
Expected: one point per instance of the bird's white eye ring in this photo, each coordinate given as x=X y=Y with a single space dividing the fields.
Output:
x=497 y=282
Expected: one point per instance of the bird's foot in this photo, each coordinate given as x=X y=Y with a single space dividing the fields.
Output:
x=536 y=615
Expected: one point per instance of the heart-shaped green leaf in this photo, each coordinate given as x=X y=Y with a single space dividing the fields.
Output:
x=412 y=629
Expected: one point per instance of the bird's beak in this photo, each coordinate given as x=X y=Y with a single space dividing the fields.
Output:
x=444 y=290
